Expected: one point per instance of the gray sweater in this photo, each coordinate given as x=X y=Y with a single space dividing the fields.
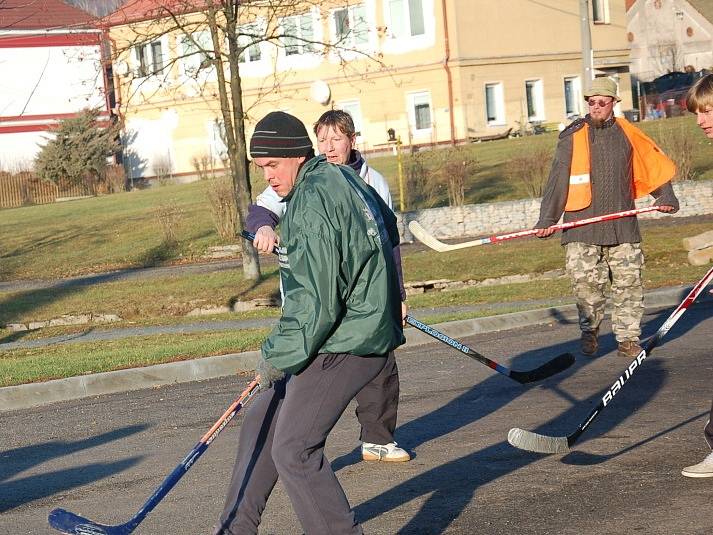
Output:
x=612 y=189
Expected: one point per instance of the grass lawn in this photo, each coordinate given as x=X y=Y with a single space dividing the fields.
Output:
x=32 y=365
x=164 y=301
x=122 y=230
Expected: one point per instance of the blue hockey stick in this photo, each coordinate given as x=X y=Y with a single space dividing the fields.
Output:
x=67 y=522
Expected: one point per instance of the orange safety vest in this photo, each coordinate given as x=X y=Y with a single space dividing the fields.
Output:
x=651 y=167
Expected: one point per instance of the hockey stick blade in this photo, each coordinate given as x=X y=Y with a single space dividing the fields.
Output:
x=67 y=522
x=527 y=440
x=556 y=365
x=548 y=369
x=429 y=241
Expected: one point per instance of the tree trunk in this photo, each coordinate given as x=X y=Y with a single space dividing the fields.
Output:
x=235 y=132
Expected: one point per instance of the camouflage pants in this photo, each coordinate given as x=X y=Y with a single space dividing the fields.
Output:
x=590 y=267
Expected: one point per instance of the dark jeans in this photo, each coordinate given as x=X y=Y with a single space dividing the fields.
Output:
x=283 y=434
x=378 y=403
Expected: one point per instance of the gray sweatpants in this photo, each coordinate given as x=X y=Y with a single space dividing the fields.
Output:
x=283 y=434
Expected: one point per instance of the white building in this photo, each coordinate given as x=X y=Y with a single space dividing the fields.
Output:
x=50 y=69
x=669 y=36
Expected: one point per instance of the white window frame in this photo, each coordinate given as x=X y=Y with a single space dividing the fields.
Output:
x=418 y=98
x=349 y=43
x=394 y=43
x=305 y=59
x=353 y=108
x=216 y=144
x=254 y=67
x=150 y=48
x=399 y=26
x=600 y=12
x=499 y=95
x=302 y=48
x=538 y=100
x=576 y=82
x=253 y=27
x=193 y=59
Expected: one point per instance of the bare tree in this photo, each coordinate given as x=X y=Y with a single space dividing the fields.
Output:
x=219 y=33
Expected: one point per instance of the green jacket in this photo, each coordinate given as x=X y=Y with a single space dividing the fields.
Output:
x=341 y=290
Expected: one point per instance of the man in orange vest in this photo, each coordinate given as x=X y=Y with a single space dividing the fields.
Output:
x=601 y=165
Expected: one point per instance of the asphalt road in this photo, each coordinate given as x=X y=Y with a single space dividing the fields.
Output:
x=102 y=457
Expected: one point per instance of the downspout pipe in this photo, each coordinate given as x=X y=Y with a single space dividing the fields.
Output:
x=449 y=77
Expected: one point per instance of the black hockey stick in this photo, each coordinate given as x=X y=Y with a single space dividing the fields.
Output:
x=527 y=440
x=67 y=522
x=556 y=365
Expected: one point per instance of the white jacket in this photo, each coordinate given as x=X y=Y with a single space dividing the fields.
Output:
x=272 y=201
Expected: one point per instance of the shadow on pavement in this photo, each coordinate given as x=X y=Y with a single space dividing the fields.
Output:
x=451 y=486
x=581 y=458
x=15 y=492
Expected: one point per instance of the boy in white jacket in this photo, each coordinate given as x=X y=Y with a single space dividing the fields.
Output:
x=377 y=402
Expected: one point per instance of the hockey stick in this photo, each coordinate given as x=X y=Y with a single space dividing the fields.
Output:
x=556 y=365
x=68 y=522
x=437 y=245
x=527 y=440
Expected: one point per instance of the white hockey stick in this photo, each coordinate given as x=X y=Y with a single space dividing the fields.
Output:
x=427 y=239
x=527 y=440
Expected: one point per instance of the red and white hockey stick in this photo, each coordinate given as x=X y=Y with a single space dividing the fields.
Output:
x=437 y=245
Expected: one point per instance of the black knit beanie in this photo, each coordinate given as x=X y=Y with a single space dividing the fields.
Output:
x=280 y=135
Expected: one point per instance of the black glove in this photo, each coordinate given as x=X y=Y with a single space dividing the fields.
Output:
x=268 y=374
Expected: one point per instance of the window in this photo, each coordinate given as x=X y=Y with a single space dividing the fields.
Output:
x=494 y=103
x=195 y=52
x=353 y=108
x=535 y=101
x=420 y=111
x=149 y=59
x=600 y=11
x=350 y=26
x=249 y=40
x=298 y=34
x=217 y=140
x=406 y=18
x=572 y=96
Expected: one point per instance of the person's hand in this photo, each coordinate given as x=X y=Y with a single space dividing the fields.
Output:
x=268 y=374
x=404 y=312
x=544 y=232
x=666 y=208
x=265 y=239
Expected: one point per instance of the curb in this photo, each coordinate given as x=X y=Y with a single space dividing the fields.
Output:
x=37 y=394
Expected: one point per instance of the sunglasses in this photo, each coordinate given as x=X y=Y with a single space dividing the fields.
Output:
x=601 y=103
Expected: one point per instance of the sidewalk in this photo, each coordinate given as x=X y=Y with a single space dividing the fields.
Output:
x=30 y=395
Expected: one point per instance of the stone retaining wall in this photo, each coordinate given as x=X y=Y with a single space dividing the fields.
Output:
x=472 y=220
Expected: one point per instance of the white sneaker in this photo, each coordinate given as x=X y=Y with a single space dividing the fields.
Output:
x=702 y=469
x=389 y=453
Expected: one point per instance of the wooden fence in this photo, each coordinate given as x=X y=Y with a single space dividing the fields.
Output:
x=24 y=188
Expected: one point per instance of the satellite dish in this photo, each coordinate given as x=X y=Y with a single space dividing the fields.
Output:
x=121 y=68
x=320 y=92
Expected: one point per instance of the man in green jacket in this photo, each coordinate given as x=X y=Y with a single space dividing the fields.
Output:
x=341 y=316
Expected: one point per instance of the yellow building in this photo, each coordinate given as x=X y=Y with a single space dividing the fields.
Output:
x=433 y=71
